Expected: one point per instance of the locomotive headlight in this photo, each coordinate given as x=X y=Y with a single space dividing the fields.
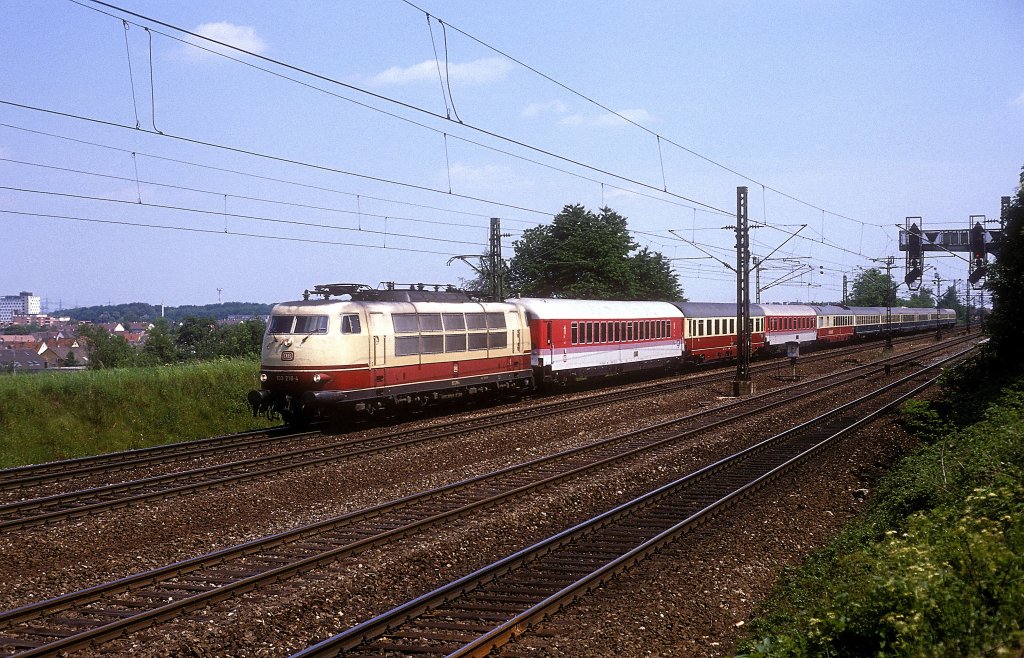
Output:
x=320 y=378
x=316 y=378
x=263 y=376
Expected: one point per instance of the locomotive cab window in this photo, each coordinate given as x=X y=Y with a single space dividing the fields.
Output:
x=298 y=324
x=350 y=324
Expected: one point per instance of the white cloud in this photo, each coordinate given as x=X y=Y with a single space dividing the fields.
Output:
x=608 y=119
x=240 y=36
x=480 y=71
x=537 y=109
x=1020 y=100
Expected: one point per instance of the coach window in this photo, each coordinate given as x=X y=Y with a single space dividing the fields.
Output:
x=574 y=329
x=350 y=324
x=590 y=332
x=604 y=332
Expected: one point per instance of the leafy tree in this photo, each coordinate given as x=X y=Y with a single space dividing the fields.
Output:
x=950 y=299
x=106 y=350
x=870 y=287
x=244 y=339
x=584 y=255
x=21 y=329
x=922 y=298
x=196 y=338
x=160 y=347
x=1004 y=281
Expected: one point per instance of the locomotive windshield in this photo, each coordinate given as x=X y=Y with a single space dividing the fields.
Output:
x=297 y=324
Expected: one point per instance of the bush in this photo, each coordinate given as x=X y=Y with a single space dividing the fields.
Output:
x=936 y=566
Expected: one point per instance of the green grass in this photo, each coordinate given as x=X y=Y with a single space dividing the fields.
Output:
x=934 y=568
x=71 y=414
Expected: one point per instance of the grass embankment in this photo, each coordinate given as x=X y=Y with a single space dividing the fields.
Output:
x=935 y=567
x=70 y=414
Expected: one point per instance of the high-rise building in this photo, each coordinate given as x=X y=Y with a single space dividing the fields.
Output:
x=24 y=303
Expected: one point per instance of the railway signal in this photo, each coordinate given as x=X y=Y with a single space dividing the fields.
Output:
x=915 y=257
x=978 y=263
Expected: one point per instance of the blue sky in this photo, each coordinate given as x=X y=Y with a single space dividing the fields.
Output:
x=845 y=117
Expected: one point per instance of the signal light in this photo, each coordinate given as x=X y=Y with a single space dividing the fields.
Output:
x=913 y=275
x=914 y=241
x=977 y=275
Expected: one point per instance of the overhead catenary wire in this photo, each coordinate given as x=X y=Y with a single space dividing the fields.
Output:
x=376 y=96
x=189 y=229
x=258 y=218
x=319 y=188
x=358 y=212
x=637 y=124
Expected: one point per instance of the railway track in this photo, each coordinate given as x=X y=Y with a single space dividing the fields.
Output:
x=484 y=610
x=23 y=477
x=112 y=609
x=76 y=504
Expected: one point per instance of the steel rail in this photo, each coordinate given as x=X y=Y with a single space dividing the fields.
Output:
x=517 y=590
x=199 y=592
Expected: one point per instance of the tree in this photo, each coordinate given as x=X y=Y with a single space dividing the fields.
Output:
x=950 y=299
x=1004 y=281
x=870 y=288
x=244 y=339
x=106 y=350
x=159 y=348
x=922 y=298
x=196 y=338
x=584 y=255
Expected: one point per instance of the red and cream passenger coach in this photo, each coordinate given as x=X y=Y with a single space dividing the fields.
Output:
x=573 y=339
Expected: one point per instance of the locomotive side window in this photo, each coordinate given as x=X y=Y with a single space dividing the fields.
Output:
x=454 y=321
x=404 y=322
x=406 y=345
x=478 y=341
x=455 y=343
x=433 y=344
x=497 y=339
x=350 y=324
x=429 y=321
x=476 y=320
x=495 y=320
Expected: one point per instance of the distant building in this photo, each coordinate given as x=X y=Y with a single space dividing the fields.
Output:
x=24 y=303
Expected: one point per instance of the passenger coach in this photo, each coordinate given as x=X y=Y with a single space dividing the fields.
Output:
x=710 y=330
x=574 y=339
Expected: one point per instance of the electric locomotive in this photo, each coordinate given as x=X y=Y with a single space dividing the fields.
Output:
x=382 y=349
